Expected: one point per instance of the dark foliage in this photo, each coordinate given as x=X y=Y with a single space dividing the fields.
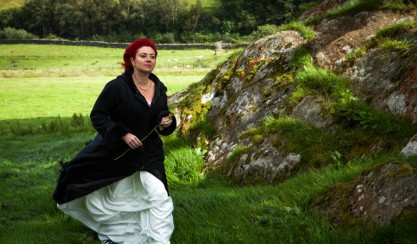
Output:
x=163 y=20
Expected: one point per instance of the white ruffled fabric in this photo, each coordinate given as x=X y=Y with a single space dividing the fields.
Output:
x=134 y=210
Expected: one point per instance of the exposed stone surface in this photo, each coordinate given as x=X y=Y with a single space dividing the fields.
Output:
x=336 y=38
x=243 y=93
x=377 y=197
x=411 y=148
x=309 y=110
x=269 y=165
x=252 y=73
x=388 y=81
x=383 y=193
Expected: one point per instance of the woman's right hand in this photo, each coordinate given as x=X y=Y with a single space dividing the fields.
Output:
x=132 y=141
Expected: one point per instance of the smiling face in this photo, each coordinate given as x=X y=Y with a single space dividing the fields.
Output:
x=144 y=60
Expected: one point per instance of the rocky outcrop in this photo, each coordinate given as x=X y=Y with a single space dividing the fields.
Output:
x=387 y=79
x=378 y=196
x=240 y=96
x=254 y=90
x=410 y=149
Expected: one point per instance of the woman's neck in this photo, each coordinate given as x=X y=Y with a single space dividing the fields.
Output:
x=140 y=78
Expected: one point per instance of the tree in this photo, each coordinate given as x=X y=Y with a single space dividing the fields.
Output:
x=196 y=12
x=163 y=15
x=36 y=17
x=122 y=20
x=7 y=17
x=247 y=15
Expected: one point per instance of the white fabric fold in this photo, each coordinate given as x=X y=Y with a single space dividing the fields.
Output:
x=134 y=210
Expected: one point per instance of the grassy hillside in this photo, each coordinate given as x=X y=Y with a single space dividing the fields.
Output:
x=5 y=4
x=204 y=3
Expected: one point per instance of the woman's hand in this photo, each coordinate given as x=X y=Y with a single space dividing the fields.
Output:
x=132 y=141
x=166 y=121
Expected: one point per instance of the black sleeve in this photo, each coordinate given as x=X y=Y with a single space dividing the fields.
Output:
x=100 y=115
x=170 y=129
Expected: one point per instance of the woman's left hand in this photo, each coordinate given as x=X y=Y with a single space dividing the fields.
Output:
x=166 y=121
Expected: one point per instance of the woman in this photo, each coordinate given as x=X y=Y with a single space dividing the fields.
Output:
x=117 y=184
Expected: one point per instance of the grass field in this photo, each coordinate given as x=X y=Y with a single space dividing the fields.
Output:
x=60 y=60
x=22 y=98
x=38 y=129
x=5 y=4
x=56 y=80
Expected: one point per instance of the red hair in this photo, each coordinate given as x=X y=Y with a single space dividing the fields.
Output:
x=133 y=47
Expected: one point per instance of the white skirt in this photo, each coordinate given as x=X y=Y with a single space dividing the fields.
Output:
x=134 y=210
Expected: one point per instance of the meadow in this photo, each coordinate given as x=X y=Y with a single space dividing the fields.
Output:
x=35 y=77
x=6 y=4
x=44 y=106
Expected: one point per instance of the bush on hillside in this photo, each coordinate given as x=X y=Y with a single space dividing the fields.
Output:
x=264 y=30
x=164 y=38
x=12 y=33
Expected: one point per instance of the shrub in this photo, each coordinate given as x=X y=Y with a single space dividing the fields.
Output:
x=264 y=30
x=12 y=33
x=51 y=36
x=164 y=38
x=183 y=163
x=198 y=37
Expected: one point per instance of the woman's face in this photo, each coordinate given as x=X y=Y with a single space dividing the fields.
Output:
x=144 y=60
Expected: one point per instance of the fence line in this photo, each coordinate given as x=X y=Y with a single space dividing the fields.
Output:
x=98 y=68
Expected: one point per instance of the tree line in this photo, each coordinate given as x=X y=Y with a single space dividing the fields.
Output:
x=166 y=21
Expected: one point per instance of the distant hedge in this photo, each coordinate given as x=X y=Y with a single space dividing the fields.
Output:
x=19 y=34
x=217 y=45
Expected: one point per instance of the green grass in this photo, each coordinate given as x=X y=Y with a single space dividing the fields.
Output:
x=206 y=211
x=262 y=214
x=58 y=60
x=352 y=7
x=56 y=80
x=323 y=81
x=305 y=31
x=48 y=97
x=204 y=3
x=63 y=96
x=6 y=4
x=386 y=38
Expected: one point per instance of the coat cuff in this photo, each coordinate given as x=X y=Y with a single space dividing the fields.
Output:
x=170 y=129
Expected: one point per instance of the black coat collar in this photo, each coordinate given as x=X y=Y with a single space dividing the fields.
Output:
x=127 y=77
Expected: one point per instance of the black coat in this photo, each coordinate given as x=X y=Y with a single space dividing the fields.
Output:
x=120 y=108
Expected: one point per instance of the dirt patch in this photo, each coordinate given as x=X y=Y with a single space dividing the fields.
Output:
x=335 y=38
